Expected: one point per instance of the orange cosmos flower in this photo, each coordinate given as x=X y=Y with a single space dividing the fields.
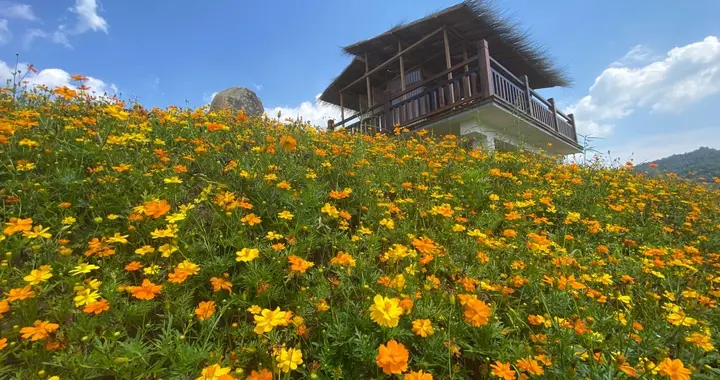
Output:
x=345 y=193
x=299 y=265
x=3 y=343
x=503 y=371
x=406 y=304
x=146 y=291
x=177 y=276
x=78 y=77
x=20 y=294
x=627 y=369
x=133 y=266
x=424 y=245
x=39 y=330
x=219 y=283
x=251 y=219
x=477 y=312
x=392 y=358
x=212 y=127
x=530 y=366
x=65 y=92
x=419 y=375
x=343 y=259
x=674 y=369
x=156 y=208
x=4 y=308
x=288 y=143
x=17 y=225
x=205 y=310
x=262 y=375
x=97 y=307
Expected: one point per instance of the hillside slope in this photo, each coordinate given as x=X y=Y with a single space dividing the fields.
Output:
x=179 y=244
x=700 y=163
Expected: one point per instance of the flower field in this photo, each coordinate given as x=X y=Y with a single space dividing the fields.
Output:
x=180 y=244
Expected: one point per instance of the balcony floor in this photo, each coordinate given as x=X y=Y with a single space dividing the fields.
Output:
x=495 y=116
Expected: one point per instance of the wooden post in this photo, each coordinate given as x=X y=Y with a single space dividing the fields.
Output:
x=484 y=73
x=402 y=69
x=402 y=108
x=342 y=108
x=448 y=63
x=572 y=122
x=554 y=114
x=386 y=112
x=367 y=81
x=528 y=95
x=466 y=81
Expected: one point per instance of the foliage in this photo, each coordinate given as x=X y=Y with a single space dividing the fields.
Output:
x=148 y=244
x=700 y=165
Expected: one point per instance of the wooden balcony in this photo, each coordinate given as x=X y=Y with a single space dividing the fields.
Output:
x=476 y=81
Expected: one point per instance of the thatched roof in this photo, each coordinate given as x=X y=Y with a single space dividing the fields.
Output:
x=467 y=22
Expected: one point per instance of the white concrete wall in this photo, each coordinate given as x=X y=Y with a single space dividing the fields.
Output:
x=486 y=136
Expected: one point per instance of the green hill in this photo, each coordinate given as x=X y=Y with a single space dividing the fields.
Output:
x=703 y=163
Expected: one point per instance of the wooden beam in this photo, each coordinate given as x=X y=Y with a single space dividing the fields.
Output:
x=528 y=94
x=342 y=108
x=402 y=69
x=484 y=73
x=467 y=67
x=391 y=60
x=466 y=80
x=554 y=114
x=572 y=122
x=387 y=117
x=367 y=82
x=448 y=63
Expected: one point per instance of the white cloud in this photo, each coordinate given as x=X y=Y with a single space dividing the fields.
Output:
x=15 y=10
x=258 y=87
x=5 y=35
x=317 y=113
x=56 y=78
x=638 y=54
x=59 y=36
x=88 y=18
x=684 y=76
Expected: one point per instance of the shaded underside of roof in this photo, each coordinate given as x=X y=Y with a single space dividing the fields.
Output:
x=467 y=23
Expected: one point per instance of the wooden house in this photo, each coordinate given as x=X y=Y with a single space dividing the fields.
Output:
x=463 y=71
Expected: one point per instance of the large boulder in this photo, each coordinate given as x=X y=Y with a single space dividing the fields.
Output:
x=238 y=98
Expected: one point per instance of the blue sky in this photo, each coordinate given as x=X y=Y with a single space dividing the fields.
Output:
x=656 y=64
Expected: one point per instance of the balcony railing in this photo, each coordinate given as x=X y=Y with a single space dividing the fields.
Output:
x=459 y=87
x=517 y=93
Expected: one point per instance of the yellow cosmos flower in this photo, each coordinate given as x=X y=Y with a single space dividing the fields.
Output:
x=247 y=254
x=385 y=311
x=268 y=319
x=288 y=360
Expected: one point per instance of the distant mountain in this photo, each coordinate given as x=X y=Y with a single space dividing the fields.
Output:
x=701 y=163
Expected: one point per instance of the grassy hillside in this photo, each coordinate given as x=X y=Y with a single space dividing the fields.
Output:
x=177 y=244
x=702 y=164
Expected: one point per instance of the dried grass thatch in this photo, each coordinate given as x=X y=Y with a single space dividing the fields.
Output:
x=468 y=22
